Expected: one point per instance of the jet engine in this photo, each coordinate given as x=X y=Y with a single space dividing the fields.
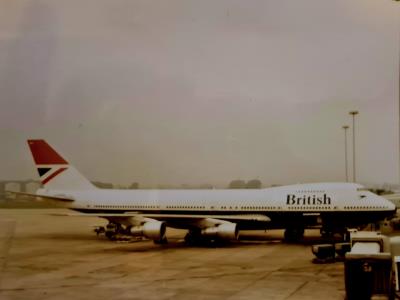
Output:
x=225 y=231
x=154 y=230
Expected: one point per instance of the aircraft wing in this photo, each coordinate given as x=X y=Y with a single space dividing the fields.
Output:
x=249 y=217
x=244 y=217
x=61 y=197
x=184 y=220
x=203 y=221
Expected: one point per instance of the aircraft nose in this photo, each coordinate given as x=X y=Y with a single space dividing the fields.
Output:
x=391 y=205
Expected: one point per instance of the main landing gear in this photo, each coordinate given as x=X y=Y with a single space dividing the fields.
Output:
x=162 y=241
x=195 y=238
x=294 y=234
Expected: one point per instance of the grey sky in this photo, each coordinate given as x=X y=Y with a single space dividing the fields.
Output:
x=201 y=91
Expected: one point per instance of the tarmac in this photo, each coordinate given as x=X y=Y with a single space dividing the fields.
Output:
x=43 y=256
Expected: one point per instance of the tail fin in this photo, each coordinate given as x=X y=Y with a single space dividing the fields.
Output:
x=54 y=171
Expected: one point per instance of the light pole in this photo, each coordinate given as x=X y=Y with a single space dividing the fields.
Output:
x=345 y=127
x=354 y=113
x=399 y=108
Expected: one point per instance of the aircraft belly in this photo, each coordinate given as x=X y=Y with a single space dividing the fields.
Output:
x=278 y=220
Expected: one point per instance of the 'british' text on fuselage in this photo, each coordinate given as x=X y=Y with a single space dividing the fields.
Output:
x=308 y=200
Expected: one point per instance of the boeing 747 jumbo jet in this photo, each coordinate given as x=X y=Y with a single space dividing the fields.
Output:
x=209 y=214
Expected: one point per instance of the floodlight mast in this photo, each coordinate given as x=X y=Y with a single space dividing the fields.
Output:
x=345 y=127
x=353 y=113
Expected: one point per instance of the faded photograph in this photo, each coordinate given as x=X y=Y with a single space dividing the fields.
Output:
x=199 y=149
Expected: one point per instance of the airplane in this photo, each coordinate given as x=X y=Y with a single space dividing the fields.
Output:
x=217 y=214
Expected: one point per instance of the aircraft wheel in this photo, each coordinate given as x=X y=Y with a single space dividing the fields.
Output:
x=162 y=241
x=293 y=234
x=193 y=238
x=111 y=235
x=189 y=238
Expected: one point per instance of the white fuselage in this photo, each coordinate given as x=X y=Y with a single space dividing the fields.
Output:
x=323 y=199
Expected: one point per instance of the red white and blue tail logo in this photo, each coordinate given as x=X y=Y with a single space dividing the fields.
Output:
x=48 y=162
x=54 y=171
